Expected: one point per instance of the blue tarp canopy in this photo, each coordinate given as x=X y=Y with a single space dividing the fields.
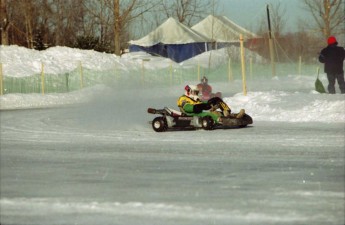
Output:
x=176 y=52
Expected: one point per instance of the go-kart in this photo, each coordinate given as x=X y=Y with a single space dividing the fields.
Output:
x=171 y=119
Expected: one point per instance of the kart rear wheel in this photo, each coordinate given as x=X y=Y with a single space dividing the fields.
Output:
x=207 y=123
x=159 y=124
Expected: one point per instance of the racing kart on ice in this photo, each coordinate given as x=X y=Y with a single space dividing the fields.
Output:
x=171 y=119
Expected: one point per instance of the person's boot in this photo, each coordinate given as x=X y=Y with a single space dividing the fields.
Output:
x=226 y=113
x=240 y=114
x=214 y=107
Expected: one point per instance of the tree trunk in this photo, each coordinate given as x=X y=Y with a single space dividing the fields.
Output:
x=29 y=32
x=327 y=19
x=117 y=27
x=5 y=24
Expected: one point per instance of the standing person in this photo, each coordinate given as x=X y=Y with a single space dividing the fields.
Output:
x=206 y=90
x=204 y=87
x=333 y=57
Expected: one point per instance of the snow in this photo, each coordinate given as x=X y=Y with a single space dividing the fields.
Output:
x=91 y=157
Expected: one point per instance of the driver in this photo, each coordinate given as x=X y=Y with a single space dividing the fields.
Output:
x=191 y=105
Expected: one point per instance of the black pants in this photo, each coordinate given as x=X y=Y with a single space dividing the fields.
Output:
x=198 y=108
x=331 y=82
x=219 y=102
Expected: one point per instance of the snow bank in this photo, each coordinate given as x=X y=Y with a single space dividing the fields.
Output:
x=290 y=107
x=290 y=99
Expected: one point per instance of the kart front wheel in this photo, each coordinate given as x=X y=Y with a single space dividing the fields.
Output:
x=159 y=124
x=207 y=123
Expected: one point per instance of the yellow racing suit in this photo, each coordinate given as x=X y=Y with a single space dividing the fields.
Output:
x=193 y=107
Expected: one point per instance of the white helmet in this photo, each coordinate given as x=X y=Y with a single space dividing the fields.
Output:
x=192 y=91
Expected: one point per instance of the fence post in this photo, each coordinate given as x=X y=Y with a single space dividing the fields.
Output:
x=42 y=78
x=251 y=67
x=67 y=85
x=170 y=70
x=142 y=72
x=143 y=69
x=230 y=71
x=299 y=65
x=243 y=67
x=81 y=75
x=1 y=81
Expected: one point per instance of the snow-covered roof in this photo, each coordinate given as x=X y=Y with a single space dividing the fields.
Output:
x=170 y=32
x=221 y=29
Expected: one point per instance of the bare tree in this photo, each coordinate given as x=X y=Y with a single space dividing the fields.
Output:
x=107 y=22
x=278 y=22
x=27 y=10
x=50 y=21
x=118 y=24
x=98 y=23
x=66 y=20
x=278 y=19
x=188 y=11
x=328 y=15
x=111 y=19
x=125 y=14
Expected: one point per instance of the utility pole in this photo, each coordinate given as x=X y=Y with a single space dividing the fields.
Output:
x=270 y=42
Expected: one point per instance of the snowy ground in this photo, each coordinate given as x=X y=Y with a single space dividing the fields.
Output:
x=90 y=157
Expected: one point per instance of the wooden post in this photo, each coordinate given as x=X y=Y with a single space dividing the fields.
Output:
x=143 y=69
x=67 y=85
x=1 y=81
x=299 y=65
x=42 y=78
x=243 y=66
x=251 y=67
x=230 y=78
x=171 y=76
x=142 y=72
x=81 y=75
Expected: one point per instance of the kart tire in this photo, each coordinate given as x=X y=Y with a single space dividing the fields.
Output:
x=207 y=123
x=159 y=124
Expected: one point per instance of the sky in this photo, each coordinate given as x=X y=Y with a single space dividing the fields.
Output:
x=249 y=13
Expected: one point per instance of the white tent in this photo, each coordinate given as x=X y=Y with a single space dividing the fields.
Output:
x=222 y=30
x=172 y=39
x=170 y=32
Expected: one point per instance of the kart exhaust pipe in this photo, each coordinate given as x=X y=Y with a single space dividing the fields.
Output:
x=151 y=110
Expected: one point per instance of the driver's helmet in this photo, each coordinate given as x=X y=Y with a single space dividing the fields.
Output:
x=192 y=91
x=204 y=80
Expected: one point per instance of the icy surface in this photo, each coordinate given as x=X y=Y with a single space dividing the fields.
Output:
x=90 y=157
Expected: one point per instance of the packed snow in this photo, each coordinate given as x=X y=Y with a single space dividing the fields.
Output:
x=91 y=157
